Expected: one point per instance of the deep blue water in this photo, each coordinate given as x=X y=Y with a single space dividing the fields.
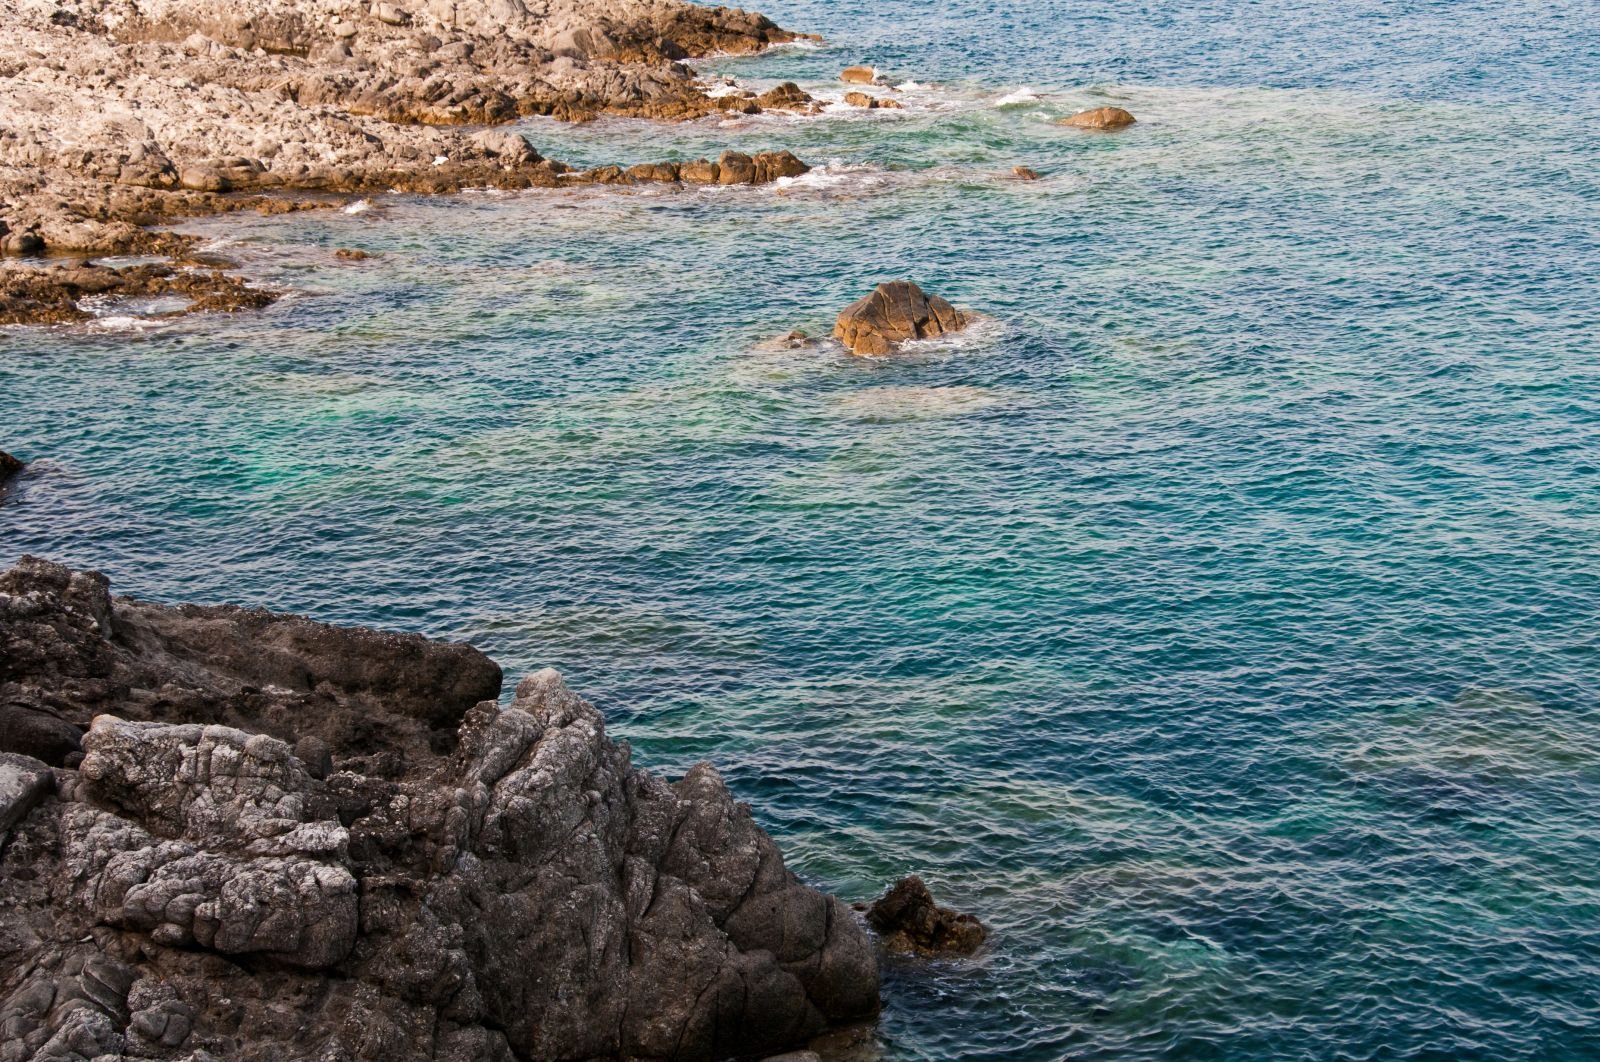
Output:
x=1217 y=619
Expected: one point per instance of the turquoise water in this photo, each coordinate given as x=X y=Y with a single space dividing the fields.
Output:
x=1217 y=619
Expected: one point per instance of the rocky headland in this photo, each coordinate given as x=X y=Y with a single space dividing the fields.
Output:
x=121 y=117
x=226 y=833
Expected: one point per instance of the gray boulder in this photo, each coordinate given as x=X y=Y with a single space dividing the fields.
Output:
x=503 y=884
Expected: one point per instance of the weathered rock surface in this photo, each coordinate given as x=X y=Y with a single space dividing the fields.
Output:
x=286 y=840
x=1024 y=173
x=57 y=294
x=1101 y=118
x=859 y=75
x=907 y=920
x=893 y=314
x=122 y=116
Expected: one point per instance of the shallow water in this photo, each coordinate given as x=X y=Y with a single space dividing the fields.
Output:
x=1216 y=619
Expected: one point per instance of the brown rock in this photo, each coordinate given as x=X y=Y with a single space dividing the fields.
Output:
x=700 y=171
x=859 y=75
x=895 y=313
x=9 y=466
x=1101 y=118
x=351 y=254
x=786 y=97
x=1023 y=173
x=51 y=295
x=860 y=99
x=890 y=105
x=657 y=172
x=907 y=920
x=736 y=168
x=771 y=165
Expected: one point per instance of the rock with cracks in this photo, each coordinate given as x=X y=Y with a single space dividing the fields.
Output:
x=895 y=313
x=907 y=920
x=277 y=839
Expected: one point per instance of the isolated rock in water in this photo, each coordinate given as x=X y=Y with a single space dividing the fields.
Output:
x=859 y=75
x=907 y=920
x=1023 y=173
x=352 y=254
x=860 y=99
x=288 y=840
x=1100 y=118
x=785 y=97
x=9 y=467
x=895 y=313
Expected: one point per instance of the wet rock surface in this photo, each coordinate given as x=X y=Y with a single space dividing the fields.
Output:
x=1101 y=118
x=278 y=839
x=908 y=921
x=58 y=294
x=895 y=313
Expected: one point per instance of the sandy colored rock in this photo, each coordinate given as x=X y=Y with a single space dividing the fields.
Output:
x=1023 y=173
x=120 y=117
x=895 y=313
x=860 y=99
x=859 y=75
x=352 y=254
x=292 y=841
x=1101 y=118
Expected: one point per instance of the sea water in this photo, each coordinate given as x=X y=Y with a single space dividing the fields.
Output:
x=1216 y=619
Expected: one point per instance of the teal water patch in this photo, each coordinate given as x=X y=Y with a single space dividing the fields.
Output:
x=1215 y=619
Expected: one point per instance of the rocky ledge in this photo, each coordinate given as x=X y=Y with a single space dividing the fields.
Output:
x=120 y=116
x=231 y=834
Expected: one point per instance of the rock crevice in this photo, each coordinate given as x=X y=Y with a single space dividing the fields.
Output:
x=459 y=882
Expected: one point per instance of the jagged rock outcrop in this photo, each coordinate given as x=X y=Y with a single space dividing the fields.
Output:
x=122 y=116
x=278 y=839
x=907 y=920
x=895 y=313
x=1103 y=119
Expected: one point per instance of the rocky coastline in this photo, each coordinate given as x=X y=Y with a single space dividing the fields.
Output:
x=226 y=833
x=124 y=118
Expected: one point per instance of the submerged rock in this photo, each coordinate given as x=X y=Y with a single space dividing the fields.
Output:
x=1023 y=173
x=352 y=254
x=1102 y=118
x=289 y=840
x=907 y=920
x=895 y=313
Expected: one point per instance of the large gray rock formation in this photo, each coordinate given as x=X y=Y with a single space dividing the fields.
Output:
x=282 y=840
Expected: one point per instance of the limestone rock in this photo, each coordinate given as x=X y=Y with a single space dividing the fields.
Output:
x=1101 y=118
x=1023 y=173
x=859 y=75
x=895 y=313
x=907 y=920
x=295 y=841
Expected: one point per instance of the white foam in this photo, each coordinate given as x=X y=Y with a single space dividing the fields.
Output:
x=360 y=206
x=1021 y=95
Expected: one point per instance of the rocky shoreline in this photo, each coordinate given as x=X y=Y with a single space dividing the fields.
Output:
x=231 y=834
x=122 y=118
